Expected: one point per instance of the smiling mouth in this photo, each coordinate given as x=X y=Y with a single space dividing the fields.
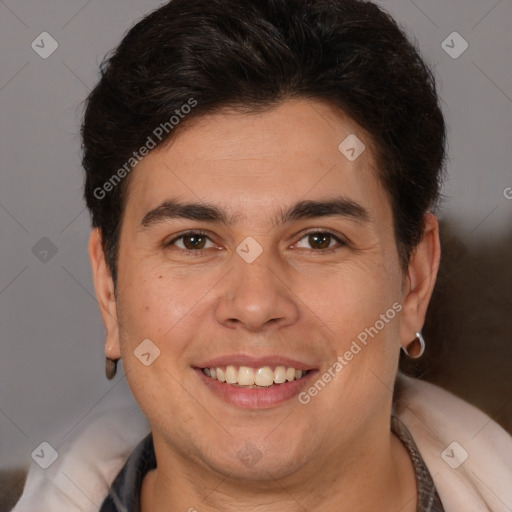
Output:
x=248 y=377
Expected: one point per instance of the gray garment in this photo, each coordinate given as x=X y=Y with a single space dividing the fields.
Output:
x=124 y=493
x=428 y=499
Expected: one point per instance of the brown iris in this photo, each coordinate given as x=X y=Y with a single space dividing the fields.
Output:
x=319 y=240
x=192 y=242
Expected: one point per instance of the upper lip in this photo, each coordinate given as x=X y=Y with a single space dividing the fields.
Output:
x=254 y=362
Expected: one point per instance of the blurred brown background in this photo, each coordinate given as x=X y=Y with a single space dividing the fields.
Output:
x=468 y=330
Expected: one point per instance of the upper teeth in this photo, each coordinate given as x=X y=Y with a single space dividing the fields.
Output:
x=247 y=376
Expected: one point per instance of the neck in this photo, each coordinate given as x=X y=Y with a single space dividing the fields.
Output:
x=376 y=475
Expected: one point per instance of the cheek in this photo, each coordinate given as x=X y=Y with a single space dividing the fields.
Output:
x=161 y=305
x=350 y=299
x=155 y=314
x=362 y=311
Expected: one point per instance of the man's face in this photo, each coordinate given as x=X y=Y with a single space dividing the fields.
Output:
x=260 y=290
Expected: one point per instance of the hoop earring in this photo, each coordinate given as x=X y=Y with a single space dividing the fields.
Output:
x=110 y=367
x=415 y=354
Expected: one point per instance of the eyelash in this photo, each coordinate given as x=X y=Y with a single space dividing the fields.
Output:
x=200 y=252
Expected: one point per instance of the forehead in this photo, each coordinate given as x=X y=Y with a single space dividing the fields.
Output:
x=299 y=150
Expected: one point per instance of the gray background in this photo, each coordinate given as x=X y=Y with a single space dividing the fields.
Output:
x=52 y=357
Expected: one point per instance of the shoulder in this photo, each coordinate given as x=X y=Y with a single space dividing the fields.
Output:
x=88 y=460
x=468 y=454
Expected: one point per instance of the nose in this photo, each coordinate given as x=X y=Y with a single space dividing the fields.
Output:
x=256 y=297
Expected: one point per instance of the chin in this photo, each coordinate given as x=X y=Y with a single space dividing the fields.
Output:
x=258 y=461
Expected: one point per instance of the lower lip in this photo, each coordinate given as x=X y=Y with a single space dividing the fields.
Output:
x=256 y=398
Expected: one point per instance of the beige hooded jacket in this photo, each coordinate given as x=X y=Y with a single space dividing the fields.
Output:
x=468 y=455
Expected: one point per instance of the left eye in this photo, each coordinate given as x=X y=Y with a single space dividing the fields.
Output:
x=320 y=240
x=191 y=242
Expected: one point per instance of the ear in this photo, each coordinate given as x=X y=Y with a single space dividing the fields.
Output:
x=421 y=278
x=104 y=286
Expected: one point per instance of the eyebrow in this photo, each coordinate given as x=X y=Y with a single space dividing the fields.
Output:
x=307 y=209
